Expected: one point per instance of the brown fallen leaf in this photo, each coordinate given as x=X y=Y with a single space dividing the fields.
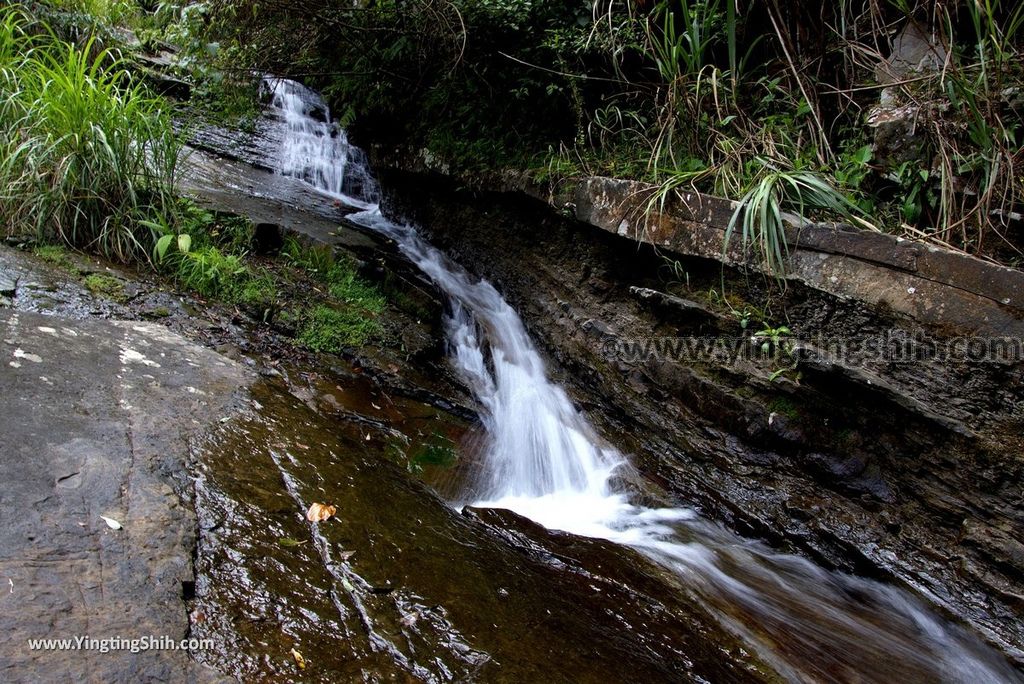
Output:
x=299 y=660
x=319 y=512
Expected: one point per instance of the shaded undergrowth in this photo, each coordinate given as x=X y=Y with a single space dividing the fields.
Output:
x=309 y=291
x=710 y=95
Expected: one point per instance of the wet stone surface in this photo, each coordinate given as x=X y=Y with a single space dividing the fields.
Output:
x=872 y=470
x=96 y=416
x=400 y=586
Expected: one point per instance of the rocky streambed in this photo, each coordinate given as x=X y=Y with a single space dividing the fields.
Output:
x=398 y=585
x=904 y=473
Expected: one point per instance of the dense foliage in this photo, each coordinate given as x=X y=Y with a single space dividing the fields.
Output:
x=719 y=94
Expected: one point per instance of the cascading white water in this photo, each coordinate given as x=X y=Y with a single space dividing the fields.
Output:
x=315 y=149
x=545 y=461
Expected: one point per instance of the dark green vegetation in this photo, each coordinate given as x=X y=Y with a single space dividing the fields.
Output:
x=309 y=290
x=350 y=318
x=105 y=285
x=309 y=293
x=716 y=95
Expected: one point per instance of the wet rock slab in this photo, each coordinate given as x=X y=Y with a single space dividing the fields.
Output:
x=399 y=586
x=96 y=415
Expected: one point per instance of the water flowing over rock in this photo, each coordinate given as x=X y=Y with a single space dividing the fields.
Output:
x=542 y=459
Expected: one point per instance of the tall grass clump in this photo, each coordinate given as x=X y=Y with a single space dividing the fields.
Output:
x=758 y=214
x=86 y=153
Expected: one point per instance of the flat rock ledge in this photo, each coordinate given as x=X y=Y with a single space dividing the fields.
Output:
x=937 y=287
x=97 y=416
x=932 y=285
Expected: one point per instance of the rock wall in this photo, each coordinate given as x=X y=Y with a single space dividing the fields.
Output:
x=905 y=470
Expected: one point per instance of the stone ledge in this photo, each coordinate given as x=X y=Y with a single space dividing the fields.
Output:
x=932 y=285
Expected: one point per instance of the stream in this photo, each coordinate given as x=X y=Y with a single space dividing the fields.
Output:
x=541 y=459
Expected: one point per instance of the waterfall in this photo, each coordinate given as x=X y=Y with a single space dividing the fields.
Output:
x=543 y=460
x=316 y=150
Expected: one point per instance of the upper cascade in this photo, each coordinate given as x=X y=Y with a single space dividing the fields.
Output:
x=314 y=148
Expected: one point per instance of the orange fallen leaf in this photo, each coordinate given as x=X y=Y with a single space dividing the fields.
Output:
x=299 y=660
x=319 y=512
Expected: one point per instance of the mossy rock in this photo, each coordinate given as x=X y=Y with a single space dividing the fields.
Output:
x=108 y=287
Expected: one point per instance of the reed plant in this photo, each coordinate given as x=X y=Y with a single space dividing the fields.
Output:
x=86 y=152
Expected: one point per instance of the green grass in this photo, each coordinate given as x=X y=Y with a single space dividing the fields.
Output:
x=214 y=265
x=316 y=259
x=86 y=153
x=339 y=275
x=214 y=274
x=344 y=285
x=56 y=255
x=210 y=272
x=257 y=290
x=331 y=330
x=208 y=256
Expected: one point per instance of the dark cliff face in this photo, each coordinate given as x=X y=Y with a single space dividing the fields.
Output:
x=906 y=471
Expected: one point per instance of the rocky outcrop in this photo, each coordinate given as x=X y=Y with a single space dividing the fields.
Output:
x=903 y=468
x=899 y=125
x=98 y=538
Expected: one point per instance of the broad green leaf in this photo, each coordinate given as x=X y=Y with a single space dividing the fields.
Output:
x=161 y=246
